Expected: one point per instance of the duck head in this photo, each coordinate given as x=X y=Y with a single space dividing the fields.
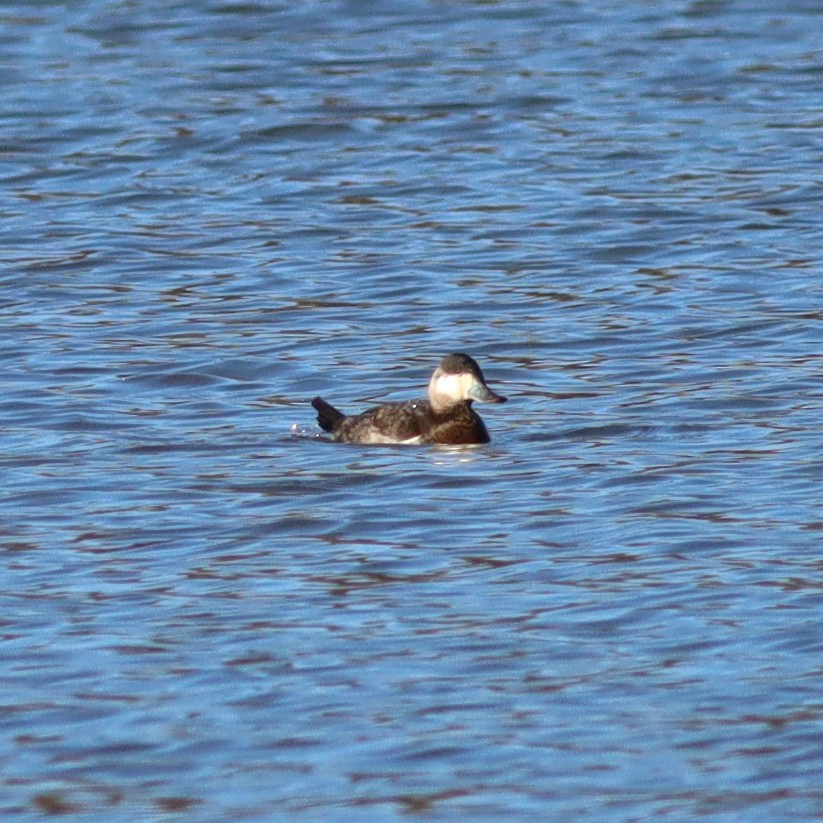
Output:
x=458 y=379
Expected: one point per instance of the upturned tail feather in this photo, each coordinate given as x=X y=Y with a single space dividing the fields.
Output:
x=328 y=416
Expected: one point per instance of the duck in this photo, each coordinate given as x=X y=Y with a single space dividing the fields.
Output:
x=445 y=417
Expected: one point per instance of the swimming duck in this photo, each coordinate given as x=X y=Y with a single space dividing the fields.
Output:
x=445 y=417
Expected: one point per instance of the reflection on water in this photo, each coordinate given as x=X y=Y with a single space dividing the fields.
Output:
x=215 y=213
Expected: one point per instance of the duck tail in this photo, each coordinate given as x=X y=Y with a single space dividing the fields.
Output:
x=328 y=416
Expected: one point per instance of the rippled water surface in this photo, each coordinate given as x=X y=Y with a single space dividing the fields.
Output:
x=212 y=212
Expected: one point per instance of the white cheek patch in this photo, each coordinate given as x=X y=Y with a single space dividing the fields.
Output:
x=452 y=385
x=467 y=383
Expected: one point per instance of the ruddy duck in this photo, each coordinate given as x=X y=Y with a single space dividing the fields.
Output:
x=446 y=417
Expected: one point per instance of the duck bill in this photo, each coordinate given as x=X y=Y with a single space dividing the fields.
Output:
x=483 y=394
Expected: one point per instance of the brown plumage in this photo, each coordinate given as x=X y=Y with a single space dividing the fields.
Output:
x=445 y=417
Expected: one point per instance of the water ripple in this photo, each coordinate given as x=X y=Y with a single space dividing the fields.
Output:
x=213 y=215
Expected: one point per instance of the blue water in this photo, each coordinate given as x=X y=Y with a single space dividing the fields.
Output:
x=214 y=211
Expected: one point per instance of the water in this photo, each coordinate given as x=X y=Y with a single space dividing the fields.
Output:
x=212 y=212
